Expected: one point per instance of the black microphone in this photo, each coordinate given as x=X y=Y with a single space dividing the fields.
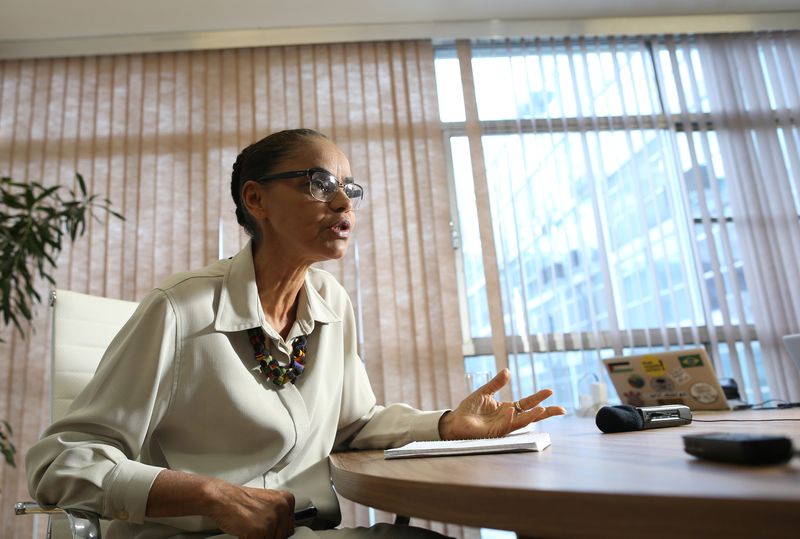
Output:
x=626 y=418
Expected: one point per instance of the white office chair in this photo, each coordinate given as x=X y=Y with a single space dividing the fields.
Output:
x=83 y=327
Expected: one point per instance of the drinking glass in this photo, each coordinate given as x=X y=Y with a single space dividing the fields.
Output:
x=476 y=379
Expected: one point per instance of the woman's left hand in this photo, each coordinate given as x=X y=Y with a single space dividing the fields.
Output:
x=481 y=416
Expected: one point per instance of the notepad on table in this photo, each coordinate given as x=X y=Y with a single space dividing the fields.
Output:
x=524 y=441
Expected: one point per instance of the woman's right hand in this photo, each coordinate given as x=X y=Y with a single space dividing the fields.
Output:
x=247 y=513
x=252 y=513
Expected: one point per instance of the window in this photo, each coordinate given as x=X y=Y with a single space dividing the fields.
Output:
x=610 y=209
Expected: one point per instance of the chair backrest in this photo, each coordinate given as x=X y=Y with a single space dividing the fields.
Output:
x=83 y=327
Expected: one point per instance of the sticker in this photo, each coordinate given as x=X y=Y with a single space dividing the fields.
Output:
x=680 y=376
x=620 y=366
x=662 y=384
x=653 y=365
x=704 y=392
x=634 y=398
x=636 y=381
x=692 y=360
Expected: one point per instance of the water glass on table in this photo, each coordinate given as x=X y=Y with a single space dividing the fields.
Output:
x=475 y=380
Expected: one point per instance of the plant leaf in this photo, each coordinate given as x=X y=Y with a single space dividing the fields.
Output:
x=34 y=220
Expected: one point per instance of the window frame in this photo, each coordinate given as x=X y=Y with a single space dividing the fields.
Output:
x=706 y=335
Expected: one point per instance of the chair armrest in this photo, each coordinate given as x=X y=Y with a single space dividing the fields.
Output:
x=83 y=524
x=86 y=525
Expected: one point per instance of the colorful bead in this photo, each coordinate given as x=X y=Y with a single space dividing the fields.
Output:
x=270 y=366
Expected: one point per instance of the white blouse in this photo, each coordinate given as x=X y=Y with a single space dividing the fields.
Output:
x=179 y=387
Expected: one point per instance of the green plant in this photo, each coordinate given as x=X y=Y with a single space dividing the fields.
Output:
x=34 y=219
x=6 y=447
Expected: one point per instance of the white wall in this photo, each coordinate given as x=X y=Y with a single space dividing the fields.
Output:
x=43 y=28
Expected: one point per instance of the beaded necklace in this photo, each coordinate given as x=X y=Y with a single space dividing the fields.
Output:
x=270 y=367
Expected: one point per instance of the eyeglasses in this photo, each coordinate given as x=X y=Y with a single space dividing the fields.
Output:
x=323 y=185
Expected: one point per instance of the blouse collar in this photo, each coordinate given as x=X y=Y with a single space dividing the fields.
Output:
x=240 y=309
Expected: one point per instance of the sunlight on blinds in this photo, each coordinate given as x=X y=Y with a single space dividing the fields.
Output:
x=642 y=194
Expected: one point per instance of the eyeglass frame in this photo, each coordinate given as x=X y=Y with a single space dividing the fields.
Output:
x=308 y=172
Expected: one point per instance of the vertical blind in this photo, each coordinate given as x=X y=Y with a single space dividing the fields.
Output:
x=158 y=133
x=755 y=101
x=641 y=193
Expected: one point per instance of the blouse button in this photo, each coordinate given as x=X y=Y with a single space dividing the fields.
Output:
x=123 y=515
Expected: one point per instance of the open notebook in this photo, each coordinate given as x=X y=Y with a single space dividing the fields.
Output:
x=523 y=440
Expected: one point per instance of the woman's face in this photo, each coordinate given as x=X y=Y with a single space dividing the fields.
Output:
x=297 y=226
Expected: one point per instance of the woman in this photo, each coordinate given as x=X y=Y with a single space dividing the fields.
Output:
x=215 y=408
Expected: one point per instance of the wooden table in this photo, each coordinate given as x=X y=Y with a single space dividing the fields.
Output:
x=589 y=484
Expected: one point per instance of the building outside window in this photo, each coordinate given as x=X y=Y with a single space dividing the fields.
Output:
x=610 y=210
